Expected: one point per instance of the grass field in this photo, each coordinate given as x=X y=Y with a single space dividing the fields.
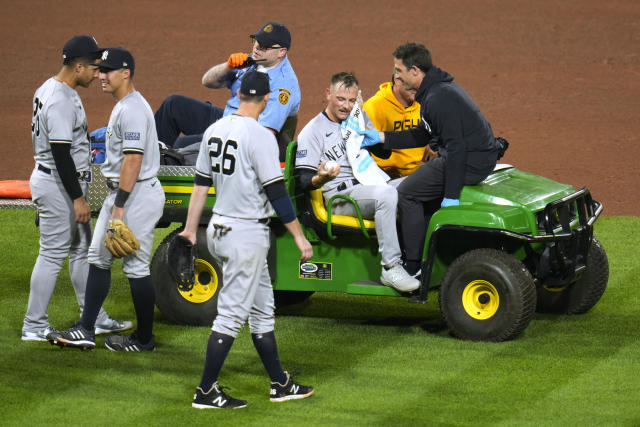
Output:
x=373 y=360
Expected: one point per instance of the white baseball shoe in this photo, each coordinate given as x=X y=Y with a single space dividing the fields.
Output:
x=40 y=335
x=112 y=325
x=398 y=278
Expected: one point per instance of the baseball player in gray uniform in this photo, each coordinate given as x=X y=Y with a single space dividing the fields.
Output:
x=321 y=141
x=137 y=198
x=59 y=184
x=240 y=158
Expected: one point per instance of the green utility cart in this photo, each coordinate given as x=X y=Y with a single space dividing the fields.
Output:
x=517 y=243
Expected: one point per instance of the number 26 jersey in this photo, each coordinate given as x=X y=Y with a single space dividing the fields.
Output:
x=241 y=157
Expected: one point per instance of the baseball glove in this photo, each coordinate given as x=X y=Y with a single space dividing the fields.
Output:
x=120 y=240
x=181 y=256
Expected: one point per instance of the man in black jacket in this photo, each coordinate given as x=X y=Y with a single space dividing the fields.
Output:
x=453 y=125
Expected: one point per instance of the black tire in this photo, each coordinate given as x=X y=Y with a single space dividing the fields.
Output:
x=582 y=295
x=487 y=295
x=197 y=307
x=286 y=298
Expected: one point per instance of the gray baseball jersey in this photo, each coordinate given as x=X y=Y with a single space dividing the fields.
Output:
x=241 y=157
x=59 y=117
x=320 y=141
x=131 y=129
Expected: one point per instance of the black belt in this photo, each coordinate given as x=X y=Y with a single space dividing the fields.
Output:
x=264 y=220
x=46 y=170
x=343 y=185
x=113 y=185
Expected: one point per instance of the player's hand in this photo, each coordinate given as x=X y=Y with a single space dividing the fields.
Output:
x=449 y=202
x=371 y=137
x=190 y=235
x=237 y=60
x=326 y=172
x=82 y=210
x=429 y=154
x=329 y=170
x=306 y=251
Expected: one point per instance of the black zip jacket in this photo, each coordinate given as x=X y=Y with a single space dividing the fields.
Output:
x=453 y=124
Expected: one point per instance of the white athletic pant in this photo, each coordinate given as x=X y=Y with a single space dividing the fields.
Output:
x=246 y=286
x=60 y=236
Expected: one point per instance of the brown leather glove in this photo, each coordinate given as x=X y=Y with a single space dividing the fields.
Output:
x=119 y=239
x=238 y=60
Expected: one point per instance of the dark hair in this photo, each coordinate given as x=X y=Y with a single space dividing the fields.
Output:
x=345 y=78
x=250 y=98
x=84 y=59
x=414 y=54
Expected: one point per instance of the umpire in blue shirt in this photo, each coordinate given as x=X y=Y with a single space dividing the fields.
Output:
x=179 y=114
x=453 y=125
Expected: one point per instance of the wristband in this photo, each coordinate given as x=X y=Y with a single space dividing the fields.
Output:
x=121 y=198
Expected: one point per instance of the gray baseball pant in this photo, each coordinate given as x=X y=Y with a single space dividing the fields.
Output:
x=60 y=236
x=377 y=202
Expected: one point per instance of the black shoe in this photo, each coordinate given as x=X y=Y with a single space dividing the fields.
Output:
x=77 y=336
x=215 y=398
x=128 y=343
x=289 y=391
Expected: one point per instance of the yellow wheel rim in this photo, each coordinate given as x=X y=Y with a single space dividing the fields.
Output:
x=206 y=283
x=480 y=299
x=550 y=289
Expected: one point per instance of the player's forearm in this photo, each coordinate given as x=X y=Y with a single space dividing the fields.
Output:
x=408 y=138
x=196 y=204
x=319 y=180
x=216 y=76
x=294 y=228
x=306 y=250
x=66 y=170
x=129 y=171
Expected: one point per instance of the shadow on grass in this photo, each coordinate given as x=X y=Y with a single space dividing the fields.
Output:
x=367 y=310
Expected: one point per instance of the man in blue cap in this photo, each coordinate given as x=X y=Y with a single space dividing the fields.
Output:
x=179 y=114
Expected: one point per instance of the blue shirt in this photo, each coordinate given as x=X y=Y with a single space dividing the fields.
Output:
x=284 y=100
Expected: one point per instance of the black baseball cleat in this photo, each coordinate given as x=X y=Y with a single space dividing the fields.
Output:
x=215 y=398
x=289 y=391
x=77 y=336
x=128 y=343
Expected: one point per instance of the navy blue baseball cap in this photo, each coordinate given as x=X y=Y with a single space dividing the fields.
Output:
x=81 y=46
x=273 y=33
x=255 y=83
x=114 y=58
